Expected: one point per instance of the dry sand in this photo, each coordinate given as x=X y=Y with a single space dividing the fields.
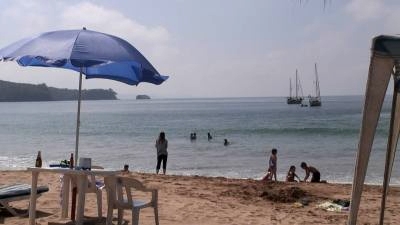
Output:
x=196 y=200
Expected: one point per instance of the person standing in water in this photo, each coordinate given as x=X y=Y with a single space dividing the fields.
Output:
x=162 y=153
x=209 y=137
x=226 y=142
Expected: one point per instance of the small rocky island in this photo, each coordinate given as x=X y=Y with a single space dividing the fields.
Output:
x=20 y=92
x=139 y=97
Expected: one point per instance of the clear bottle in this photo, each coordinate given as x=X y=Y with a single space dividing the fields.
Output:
x=71 y=161
x=38 y=162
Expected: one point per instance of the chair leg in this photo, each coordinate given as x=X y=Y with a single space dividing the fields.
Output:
x=109 y=216
x=99 y=203
x=156 y=215
x=120 y=215
x=11 y=210
x=135 y=216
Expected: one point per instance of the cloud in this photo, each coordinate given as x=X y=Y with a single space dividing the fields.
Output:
x=209 y=66
x=363 y=10
x=98 y=18
x=20 y=19
x=391 y=24
x=25 y=18
x=154 y=42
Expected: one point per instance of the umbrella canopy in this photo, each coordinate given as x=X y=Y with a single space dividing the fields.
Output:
x=94 y=54
x=99 y=55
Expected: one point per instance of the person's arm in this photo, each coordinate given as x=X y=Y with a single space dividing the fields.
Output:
x=295 y=175
x=287 y=176
x=307 y=175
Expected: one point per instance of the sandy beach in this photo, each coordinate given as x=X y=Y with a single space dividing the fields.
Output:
x=205 y=200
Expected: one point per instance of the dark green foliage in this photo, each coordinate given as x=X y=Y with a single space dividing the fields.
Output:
x=19 y=92
x=142 y=97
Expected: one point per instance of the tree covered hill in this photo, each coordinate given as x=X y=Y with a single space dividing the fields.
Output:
x=20 y=92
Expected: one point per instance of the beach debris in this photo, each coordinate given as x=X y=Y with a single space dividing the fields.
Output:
x=297 y=205
x=301 y=203
x=285 y=194
x=342 y=202
x=332 y=207
x=304 y=201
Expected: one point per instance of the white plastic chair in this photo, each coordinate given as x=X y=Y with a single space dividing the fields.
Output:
x=120 y=196
x=96 y=187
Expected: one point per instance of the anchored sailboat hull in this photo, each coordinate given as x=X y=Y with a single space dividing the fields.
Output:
x=315 y=101
x=291 y=100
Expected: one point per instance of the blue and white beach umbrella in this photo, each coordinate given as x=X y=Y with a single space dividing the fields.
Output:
x=94 y=54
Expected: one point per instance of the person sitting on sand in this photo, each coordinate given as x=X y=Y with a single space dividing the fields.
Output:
x=292 y=174
x=267 y=176
x=316 y=176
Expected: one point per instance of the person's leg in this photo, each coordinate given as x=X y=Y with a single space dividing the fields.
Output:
x=269 y=174
x=274 y=173
x=165 y=157
x=158 y=163
x=316 y=177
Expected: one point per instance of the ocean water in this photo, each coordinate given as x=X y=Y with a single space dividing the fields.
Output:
x=114 y=133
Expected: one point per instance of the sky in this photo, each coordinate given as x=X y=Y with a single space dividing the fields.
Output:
x=216 y=48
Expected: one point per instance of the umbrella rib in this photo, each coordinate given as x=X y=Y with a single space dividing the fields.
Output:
x=74 y=44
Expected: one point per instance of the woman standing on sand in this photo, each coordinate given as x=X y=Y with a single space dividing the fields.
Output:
x=162 y=153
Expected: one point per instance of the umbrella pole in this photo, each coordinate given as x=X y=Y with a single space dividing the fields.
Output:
x=78 y=121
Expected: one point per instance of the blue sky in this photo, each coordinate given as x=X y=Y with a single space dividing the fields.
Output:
x=216 y=48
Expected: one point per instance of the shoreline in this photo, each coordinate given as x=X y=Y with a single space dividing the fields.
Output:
x=219 y=200
x=396 y=185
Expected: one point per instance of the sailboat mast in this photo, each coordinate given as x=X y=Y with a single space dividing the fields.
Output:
x=317 y=92
x=297 y=84
x=290 y=87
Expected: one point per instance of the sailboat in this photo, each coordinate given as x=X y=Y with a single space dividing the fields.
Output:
x=315 y=100
x=294 y=99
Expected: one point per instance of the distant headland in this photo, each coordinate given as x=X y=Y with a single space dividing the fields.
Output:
x=142 y=97
x=21 y=92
